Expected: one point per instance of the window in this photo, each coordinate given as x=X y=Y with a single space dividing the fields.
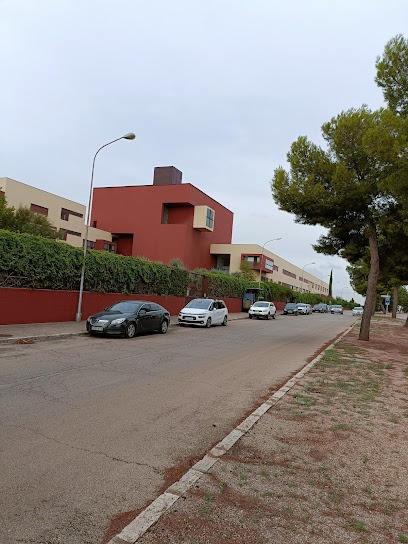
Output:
x=165 y=215
x=90 y=244
x=252 y=259
x=65 y=213
x=72 y=232
x=269 y=264
x=109 y=247
x=39 y=209
x=287 y=273
x=209 y=220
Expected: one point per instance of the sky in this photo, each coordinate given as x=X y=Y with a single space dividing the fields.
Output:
x=217 y=88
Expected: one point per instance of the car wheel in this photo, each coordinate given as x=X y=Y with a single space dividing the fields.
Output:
x=267 y=316
x=208 y=323
x=130 y=330
x=225 y=321
x=250 y=316
x=163 y=326
x=273 y=316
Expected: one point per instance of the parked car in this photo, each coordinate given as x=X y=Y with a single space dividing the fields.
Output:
x=336 y=309
x=304 y=309
x=358 y=310
x=204 y=312
x=321 y=308
x=128 y=318
x=263 y=309
x=291 y=308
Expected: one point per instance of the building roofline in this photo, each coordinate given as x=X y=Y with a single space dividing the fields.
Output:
x=43 y=190
x=160 y=187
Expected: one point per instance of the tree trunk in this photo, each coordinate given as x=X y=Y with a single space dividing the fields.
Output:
x=394 y=302
x=371 y=295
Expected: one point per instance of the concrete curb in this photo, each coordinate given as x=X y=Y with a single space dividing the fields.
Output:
x=150 y=515
x=42 y=337
x=39 y=338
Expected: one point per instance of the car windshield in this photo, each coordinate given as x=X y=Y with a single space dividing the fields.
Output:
x=337 y=306
x=302 y=305
x=261 y=304
x=199 y=303
x=358 y=308
x=291 y=305
x=126 y=307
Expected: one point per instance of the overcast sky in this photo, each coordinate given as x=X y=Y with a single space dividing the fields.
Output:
x=218 y=88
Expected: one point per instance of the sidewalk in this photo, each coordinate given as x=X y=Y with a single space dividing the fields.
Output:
x=322 y=461
x=49 y=331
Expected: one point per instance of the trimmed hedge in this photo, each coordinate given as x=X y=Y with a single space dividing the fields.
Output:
x=39 y=263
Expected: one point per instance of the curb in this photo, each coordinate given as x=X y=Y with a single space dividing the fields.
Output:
x=150 y=515
x=41 y=337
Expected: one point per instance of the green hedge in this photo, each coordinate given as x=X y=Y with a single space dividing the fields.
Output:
x=38 y=263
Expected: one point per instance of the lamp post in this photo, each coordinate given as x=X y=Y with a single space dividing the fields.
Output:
x=303 y=271
x=260 y=262
x=78 y=315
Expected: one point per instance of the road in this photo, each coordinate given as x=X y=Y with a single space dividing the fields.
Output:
x=94 y=427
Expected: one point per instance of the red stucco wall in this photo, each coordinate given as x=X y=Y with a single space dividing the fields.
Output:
x=138 y=210
x=44 y=306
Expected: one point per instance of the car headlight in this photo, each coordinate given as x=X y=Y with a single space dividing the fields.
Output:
x=118 y=321
x=201 y=316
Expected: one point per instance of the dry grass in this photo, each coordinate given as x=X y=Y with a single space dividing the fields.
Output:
x=327 y=464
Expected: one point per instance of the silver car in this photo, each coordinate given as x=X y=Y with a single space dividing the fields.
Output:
x=263 y=309
x=304 y=309
x=203 y=312
x=358 y=310
x=336 y=309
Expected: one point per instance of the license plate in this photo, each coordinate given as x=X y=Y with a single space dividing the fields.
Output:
x=189 y=318
x=99 y=329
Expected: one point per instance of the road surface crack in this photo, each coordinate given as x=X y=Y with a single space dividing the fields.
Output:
x=87 y=450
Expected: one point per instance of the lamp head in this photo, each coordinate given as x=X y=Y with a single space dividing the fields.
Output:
x=129 y=136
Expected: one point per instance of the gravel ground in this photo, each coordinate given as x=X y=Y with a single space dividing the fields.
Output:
x=327 y=464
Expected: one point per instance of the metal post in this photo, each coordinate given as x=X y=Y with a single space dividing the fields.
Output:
x=301 y=281
x=260 y=262
x=78 y=315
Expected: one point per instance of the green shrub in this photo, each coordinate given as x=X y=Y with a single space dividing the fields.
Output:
x=46 y=264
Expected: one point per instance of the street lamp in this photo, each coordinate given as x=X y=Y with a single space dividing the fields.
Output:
x=303 y=270
x=78 y=316
x=260 y=262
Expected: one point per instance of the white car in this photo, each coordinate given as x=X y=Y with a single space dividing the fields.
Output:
x=304 y=309
x=358 y=310
x=263 y=309
x=336 y=309
x=204 y=312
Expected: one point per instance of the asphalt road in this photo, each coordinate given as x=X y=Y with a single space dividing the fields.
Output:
x=91 y=426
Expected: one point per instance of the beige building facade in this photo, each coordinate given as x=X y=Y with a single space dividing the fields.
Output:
x=268 y=266
x=65 y=215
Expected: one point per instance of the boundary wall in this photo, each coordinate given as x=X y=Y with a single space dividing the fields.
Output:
x=22 y=306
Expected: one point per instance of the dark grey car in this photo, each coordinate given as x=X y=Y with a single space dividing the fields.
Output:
x=128 y=318
x=291 y=308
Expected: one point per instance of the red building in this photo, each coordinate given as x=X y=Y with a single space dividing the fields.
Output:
x=164 y=221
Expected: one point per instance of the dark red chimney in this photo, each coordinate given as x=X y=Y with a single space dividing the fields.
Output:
x=166 y=175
